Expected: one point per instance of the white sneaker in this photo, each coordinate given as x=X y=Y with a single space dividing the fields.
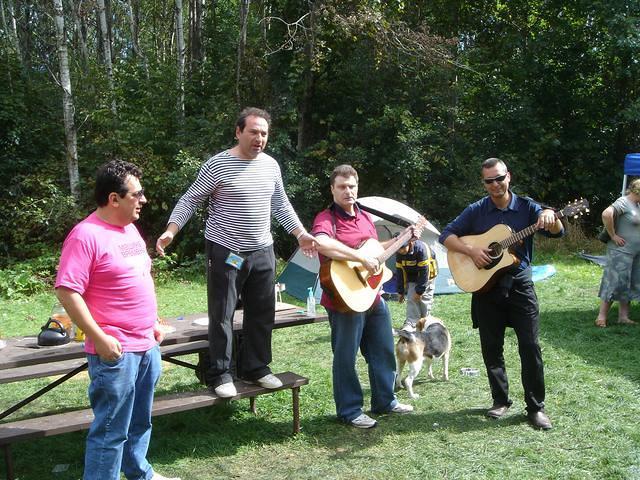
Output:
x=269 y=381
x=363 y=421
x=226 y=390
x=157 y=476
x=401 y=408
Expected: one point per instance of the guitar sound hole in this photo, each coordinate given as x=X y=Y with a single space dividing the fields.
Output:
x=495 y=254
x=496 y=251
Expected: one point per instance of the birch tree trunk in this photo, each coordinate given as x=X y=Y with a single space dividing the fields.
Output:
x=106 y=50
x=242 y=42
x=133 y=24
x=5 y=25
x=14 y=29
x=181 y=53
x=67 y=102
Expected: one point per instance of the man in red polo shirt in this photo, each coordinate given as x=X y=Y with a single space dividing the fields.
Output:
x=339 y=230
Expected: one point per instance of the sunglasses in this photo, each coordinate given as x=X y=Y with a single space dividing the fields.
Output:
x=139 y=194
x=499 y=179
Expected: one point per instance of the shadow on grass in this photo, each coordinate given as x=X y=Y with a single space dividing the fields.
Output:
x=222 y=432
x=614 y=347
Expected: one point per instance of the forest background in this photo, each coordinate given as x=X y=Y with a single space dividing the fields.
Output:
x=413 y=94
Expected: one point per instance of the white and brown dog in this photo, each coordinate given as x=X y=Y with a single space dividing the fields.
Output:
x=430 y=341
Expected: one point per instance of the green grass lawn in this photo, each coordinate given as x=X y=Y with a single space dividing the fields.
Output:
x=593 y=392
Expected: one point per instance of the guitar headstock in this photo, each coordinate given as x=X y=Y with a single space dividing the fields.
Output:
x=421 y=223
x=575 y=209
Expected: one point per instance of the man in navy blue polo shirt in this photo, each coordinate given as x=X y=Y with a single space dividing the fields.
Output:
x=512 y=301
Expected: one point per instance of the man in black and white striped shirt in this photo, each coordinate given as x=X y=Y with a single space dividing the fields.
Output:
x=245 y=189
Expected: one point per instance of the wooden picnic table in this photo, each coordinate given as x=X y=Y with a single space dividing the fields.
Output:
x=23 y=352
x=22 y=359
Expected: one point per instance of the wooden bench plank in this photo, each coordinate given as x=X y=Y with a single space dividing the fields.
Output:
x=77 y=420
x=39 y=371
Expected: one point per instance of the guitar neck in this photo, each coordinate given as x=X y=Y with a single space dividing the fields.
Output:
x=394 y=247
x=524 y=233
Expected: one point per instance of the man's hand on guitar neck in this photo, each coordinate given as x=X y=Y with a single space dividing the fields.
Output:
x=416 y=230
x=548 y=221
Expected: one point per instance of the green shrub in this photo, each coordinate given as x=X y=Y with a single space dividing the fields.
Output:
x=28 y=277
x=37 y=214
x=170 y=267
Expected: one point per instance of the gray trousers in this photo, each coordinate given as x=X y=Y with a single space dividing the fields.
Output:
x=416 y=309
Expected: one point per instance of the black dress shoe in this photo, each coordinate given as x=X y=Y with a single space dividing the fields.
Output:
x=497 y=411
x=539 y=420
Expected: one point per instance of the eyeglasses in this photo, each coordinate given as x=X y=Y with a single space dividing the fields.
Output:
x=139 y=194
x=499 y=179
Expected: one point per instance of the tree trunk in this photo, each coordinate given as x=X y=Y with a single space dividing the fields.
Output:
x=14 y=29
x=67 y=102
x=266 y=13
x=133 y=24
x=304 y=106
x=80 y=34
x=181 y=53
x=242 y=42
x=106 y=50
x=195 y=34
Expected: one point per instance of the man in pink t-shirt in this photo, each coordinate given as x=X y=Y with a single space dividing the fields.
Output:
x=104 y=282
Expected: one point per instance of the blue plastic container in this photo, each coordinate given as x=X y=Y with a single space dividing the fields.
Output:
x=632 y=164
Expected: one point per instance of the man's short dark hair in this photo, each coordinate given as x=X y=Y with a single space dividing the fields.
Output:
x=251 y=112
x=492 y=162
x=112 y=177
x=345 y=171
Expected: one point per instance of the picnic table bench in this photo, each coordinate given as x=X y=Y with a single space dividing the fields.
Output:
x=22 y=359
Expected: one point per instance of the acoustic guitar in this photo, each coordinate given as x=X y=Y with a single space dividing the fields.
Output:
x=350 y=285
x=499 y=239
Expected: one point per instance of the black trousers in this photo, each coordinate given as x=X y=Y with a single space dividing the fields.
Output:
x=255 y=283
x=511 y=303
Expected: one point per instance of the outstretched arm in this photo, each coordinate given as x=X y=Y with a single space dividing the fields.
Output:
x=166 y=238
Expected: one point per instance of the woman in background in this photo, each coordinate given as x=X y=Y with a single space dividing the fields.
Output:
x=621 y=276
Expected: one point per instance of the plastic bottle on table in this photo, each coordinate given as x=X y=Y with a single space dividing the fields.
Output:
x=59 y=314
x=311 y=302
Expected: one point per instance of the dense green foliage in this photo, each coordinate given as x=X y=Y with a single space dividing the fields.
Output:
x=414 y=94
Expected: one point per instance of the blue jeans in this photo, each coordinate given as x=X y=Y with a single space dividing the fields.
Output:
x=371 y=332
x=121 y=396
